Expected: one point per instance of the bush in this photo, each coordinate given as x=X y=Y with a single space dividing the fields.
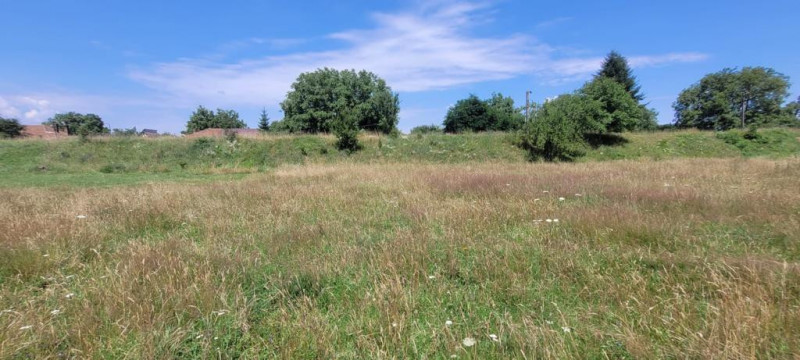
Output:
x=557 y=132
x=345 y=127
x=10 y=128
x=426 y=129
x=765 y=142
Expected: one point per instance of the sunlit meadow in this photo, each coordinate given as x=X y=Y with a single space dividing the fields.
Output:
x=692 y=258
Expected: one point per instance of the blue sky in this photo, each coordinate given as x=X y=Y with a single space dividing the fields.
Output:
x=149 y=64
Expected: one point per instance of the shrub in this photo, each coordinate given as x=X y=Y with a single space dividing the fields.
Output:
x=345 y=127
x=426 y=129
x=765 y=142
x=10 y=128
x=558 y=130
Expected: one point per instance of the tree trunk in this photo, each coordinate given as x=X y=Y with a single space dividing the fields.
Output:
x=744 y=108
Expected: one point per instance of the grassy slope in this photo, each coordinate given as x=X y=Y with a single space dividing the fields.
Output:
x=129 y=161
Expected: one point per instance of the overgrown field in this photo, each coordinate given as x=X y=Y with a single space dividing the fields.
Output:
x=680 y=258
x=115 y=161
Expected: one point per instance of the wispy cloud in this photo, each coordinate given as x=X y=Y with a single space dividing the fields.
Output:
x=431 y=46
x=553 y=22
x=423 y=49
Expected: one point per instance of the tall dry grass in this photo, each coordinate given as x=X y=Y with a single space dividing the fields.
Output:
x=672 y=259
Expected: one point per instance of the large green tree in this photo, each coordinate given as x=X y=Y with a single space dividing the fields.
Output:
x=622 y=111
x=725 y=99
x=615 y=66
x=503 y=116
x=496 y=113
x=203 y=118
x=10 y=128
x=320 y=98
x=470 y=114
x=76 y=123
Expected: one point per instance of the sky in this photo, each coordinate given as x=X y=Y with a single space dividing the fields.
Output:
x=150 y=63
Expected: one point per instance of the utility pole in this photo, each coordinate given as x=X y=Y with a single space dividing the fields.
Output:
x=527 y=105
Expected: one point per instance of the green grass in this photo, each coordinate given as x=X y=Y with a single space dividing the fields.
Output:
x=110 y=161
x=352 y=260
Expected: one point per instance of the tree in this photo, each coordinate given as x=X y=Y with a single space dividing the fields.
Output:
x=622 y=112
x=503 y=116
x=615 y=67
x=470 y=114
x=557 y=131
x=320 y=98
x=426 y=129
x=263 y=121
x=125 y=132
x=203 y=118
x=792 y=109
x=345 y=127
x=10 y=128
x=724 y=99
x=76 y=123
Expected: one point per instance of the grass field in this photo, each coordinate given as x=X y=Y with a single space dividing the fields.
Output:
x=393 y=254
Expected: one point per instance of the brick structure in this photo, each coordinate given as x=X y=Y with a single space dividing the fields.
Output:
x=42 y=132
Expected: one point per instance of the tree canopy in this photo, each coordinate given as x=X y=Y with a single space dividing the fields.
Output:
x=615 y=66
x=473 y=114
x=557 y=130
x=203 y=118
x=470 y=114
x=320 y=98
x=10 y=128
x=621 y=111
x=725 y=99
x=76 y=123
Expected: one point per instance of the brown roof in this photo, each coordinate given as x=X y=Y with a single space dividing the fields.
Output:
x=216 y=132
x=42 y=132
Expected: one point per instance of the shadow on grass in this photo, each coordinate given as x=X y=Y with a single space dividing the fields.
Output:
x=598 y=140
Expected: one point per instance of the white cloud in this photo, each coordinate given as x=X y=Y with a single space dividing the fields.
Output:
x=427 y=48
x=31 y=114
x=8 y=110
x=657 y=60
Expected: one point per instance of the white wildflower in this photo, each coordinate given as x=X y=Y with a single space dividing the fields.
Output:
x=494 y=338
x=454 y=356
x=431 y=277
x=70 y=295
x=81 y=216
x=549 y=220
x=555 y=220
x=448 y=323
x=26 y=327
x=561 y=199
x=469 y=341
x=549 y=322
x=566 y=329
x=46 y=255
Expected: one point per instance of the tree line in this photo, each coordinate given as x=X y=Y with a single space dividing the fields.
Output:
x=348 y=101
